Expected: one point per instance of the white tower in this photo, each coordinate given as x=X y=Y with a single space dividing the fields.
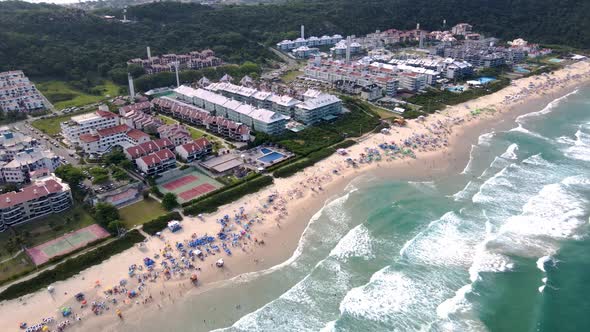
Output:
x=302 y=31
x=149 y=53
x=417 y=26
x=131 y=89
x=177 y=79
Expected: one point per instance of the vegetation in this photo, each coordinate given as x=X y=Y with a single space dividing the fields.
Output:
x=63 y=95
x=108 y=217
x=51 y=125
x=52 y=41
x=99 y=175
x=212 y=202
x=72 y=266
x=157 y=225
x=437 y=100
x=140 y=212
x=169 y=201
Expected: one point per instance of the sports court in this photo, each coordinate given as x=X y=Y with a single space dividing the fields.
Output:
x=187 y=184
x=66 y=243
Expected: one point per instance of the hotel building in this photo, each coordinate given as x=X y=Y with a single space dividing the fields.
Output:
x=45 y=196
x=86 y=123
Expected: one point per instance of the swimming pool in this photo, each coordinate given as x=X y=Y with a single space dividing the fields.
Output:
x=265 y=150
x=269 y=158
x=555 y=60
x=521 y=70
x=458 y=88
x=484 y=80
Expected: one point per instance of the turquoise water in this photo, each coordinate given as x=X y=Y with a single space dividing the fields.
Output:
x=503 y=246
x=269 y=158
x=485 y=79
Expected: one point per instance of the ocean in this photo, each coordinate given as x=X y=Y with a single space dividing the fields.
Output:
x=501 y=246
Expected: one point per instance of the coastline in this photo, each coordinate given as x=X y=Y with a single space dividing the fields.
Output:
x=282 y=237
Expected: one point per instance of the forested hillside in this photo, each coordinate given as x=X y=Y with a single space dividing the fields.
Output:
x=70 y=44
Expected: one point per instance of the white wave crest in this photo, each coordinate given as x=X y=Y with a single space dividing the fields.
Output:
x=510 y=152
x=468 y=166
x=356 y=243
x=547 y=109
x=485 y=139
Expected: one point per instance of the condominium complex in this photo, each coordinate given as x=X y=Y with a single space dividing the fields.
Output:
x=13 y=142
x=17 y=93
x=87 y=123
x=194 y=150
x=19 y=169
x=287 y=45
x=156 y=162
x=258 y=119
x=102 y=140
x=310 y=111
x=147 y=148
x=166 y=62
x=45 y=196
x=178 y=134
x=198 y=116
x=142 y=121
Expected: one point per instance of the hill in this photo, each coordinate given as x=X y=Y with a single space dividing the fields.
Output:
x=72 y=44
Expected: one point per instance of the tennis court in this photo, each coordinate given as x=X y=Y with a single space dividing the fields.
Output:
x=66 y=243
x=187 y=184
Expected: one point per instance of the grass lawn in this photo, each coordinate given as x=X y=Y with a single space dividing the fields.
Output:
x=19 y=264
x=167 y=120
x=140 y=212
x=291 y=75
x=62 y=95
x=52 y=226
x=51 y=126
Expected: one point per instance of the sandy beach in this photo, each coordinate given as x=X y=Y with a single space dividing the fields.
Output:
x=264 y=228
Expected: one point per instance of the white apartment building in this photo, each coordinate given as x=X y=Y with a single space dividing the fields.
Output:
x=87 y=123
x=317 y=106
x=13 y=142
x=17 y=93
x=264 y=120
x=102 y=140
x=176 y=133
x=45 y=196
x=19 y=169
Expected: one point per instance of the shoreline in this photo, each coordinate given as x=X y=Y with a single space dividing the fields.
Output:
x=282 y=225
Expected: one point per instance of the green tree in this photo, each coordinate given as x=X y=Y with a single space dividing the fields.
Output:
x=70 y=174
x=9 y=187
x=169 y=201
x=104 y=213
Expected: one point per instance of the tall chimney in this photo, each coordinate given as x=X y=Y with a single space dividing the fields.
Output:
x=417 y=26
x=131 y=89
x=348 y=50
x=302 y=31
x=421 y=39
x=149 y=53
x=177 y=80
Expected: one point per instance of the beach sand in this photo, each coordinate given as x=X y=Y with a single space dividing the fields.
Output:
x=298 y=198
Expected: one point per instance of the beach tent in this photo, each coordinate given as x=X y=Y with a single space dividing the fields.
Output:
x=50 y=289
x=66 y=311
x=174 y=226
x=219 y=262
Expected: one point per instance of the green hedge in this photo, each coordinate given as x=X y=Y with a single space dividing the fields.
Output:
x=72 y=266
x=211 y=203
x=311 y=159
x=157 y=225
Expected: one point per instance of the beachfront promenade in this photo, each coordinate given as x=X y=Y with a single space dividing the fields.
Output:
x=248 y=234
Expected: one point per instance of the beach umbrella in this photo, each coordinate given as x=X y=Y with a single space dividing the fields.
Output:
x=50 y=289
x=45 y=328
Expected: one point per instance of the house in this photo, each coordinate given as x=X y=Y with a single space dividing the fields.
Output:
x=156 y=162
x=142 y=121
x=176 y=133
x=194 y=150
x=46 y=195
